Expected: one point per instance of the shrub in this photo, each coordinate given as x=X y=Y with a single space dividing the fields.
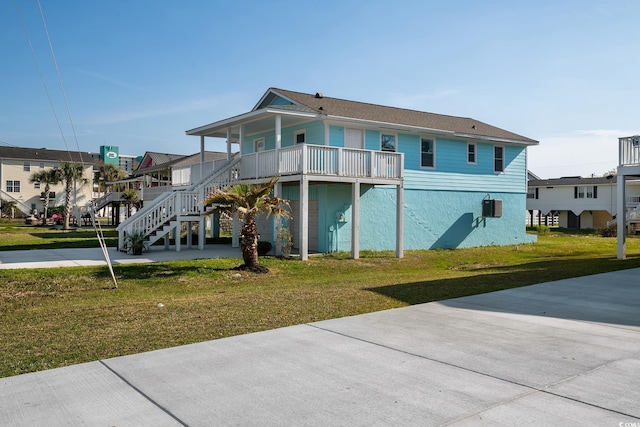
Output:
x=610 y=231
x=264 y=247
x=542 y=230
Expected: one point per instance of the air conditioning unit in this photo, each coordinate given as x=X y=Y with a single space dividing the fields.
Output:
x=492 y=208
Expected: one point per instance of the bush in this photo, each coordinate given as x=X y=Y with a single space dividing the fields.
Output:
x=610 y=231
x=264 y=247
x=542 y=230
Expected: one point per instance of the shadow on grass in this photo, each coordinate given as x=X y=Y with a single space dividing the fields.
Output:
x=612 y=303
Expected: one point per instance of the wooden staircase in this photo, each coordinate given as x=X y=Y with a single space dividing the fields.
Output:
x=168 y=212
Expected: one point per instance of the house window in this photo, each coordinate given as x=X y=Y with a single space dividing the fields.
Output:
x=56 y=165
x=471 y=153
x=427 y=151
x=498 y=159
x=300 y=137
x=387 y=142
x=27 y=167
x=36 y=185
x=13 y=186
x=41 y=165
x=585 y=192
x=258 y=145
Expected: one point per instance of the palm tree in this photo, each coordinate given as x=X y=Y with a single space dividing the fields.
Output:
x=250 y=200
x=107 y=173
x=70 y=173
x=131 y=198
x=49 y=177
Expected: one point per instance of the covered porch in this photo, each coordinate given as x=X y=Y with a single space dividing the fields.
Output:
x=305 y=163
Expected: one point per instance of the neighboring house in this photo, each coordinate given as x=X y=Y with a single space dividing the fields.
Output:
x=578 y=202
x=18 y=164
x=627 y=201
x=364 y=176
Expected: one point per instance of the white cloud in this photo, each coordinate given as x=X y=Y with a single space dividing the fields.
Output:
x=579 y=153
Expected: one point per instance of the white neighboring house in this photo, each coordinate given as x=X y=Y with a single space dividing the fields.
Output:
x=579 y=202
x=17 y=164
x=628 y=199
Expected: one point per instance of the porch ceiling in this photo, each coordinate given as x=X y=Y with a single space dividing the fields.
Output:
x=254 y=122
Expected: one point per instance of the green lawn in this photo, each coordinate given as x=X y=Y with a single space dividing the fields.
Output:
x=58 y=317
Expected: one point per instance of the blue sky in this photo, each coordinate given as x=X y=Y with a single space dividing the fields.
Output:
x=137 y=74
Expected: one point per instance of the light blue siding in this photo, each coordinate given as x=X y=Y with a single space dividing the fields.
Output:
x=372 y=140
x=314 y=133
x=336 y=136
x=447 y=176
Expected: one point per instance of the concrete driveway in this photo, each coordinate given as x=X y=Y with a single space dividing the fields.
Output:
x=564 y=353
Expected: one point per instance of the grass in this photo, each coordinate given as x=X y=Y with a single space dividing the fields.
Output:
x=58 y=317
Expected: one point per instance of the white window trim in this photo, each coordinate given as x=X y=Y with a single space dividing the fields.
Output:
x=255 y=144
x=475 y=153
x=493 y=159
x=299 y=132
x=433 y=141
x=395 y=136
x=26 y=166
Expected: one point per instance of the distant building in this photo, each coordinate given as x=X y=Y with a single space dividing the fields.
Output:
x=18 y=164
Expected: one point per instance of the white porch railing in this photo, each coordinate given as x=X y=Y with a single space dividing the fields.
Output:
x=322 y=160
x=629 y=151
x=633 y=199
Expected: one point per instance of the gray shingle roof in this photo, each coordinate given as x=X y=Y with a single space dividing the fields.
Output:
x=571 y=180
x=379 y=113
x=44 y=154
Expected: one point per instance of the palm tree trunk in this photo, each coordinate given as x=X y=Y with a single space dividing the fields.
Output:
x=249 y=242
x=67 y=203
x=47 y=190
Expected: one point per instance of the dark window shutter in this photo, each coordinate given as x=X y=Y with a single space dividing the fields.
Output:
x=575 y=192
x=595 y=191
x=537 y=192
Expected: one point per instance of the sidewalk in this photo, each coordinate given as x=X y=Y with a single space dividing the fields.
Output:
x=50 y=258
x=561 y=353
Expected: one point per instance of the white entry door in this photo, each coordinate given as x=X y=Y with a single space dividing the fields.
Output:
x=353 y=138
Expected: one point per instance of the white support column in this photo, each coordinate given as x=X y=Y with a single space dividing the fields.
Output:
x=201 y=159
x=235 y=234
x=355 y=220
x=621 y=218
x=229 y=144
x=278 y=131
x=400 y=220
x=326 y=134
x=202 y=232
x=304 y=218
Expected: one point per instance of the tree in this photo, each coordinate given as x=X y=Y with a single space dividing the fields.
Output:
x=49 y=177
x=250 y=200
x=7 y=207
x=107 y=173
x=131 y=198
x=70 y=173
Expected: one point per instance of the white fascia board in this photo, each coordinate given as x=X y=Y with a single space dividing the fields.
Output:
x=222 y=125
x=494 y=139
x=393 y=126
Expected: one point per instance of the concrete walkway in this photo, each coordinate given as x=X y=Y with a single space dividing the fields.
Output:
x=563 y=353
x=76 y=257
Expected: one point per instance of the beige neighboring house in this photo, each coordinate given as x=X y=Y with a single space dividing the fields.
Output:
x=18 y=164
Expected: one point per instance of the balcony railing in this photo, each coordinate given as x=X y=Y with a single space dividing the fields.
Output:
x=629 y=151
x=322 y=160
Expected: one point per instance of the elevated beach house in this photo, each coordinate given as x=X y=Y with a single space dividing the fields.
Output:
x=362 y=176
